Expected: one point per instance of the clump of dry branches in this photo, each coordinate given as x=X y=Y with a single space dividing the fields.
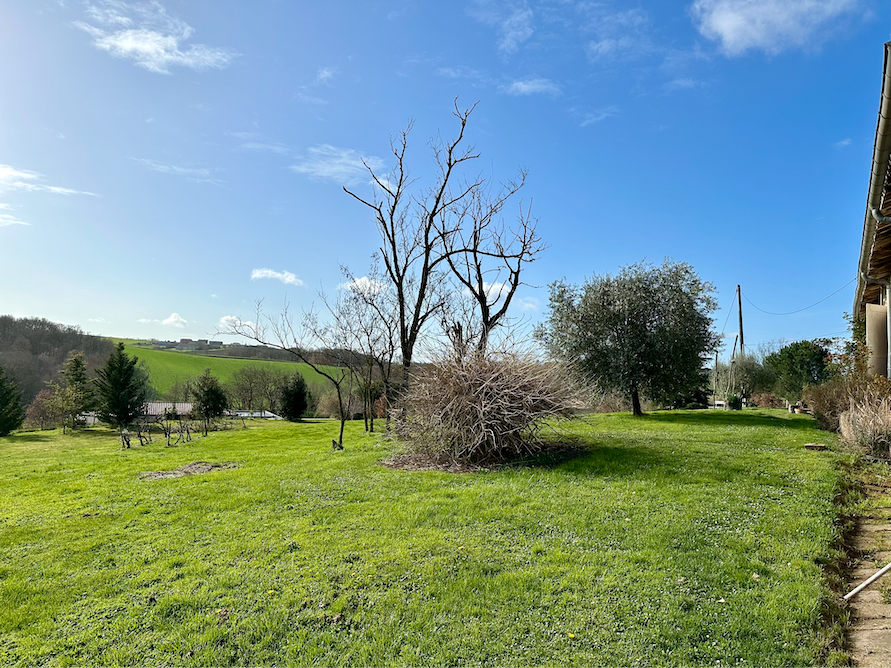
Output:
x=481 y=407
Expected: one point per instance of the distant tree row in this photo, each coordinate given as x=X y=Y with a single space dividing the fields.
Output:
x=767 y=376
x=33 y=351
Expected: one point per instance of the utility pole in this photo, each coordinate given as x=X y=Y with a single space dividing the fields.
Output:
x=742 y=341
x=715 y=383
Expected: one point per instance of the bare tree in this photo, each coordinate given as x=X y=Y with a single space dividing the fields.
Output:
x=366 y=311
x=412 y=229
x=449 y=229
x=280 y=333
x=487 y=258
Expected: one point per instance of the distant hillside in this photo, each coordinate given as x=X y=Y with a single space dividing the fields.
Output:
x=32 y=350
x=167 y=367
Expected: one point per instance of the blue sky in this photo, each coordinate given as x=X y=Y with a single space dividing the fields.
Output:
x=163 y=165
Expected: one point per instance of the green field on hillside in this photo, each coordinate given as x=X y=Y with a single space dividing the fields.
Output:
x=166 y=367
x=680 y=538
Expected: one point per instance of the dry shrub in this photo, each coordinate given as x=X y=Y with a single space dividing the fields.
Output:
x=867 y=426
x=484 y=407
x=766 y=400
x=832 y=398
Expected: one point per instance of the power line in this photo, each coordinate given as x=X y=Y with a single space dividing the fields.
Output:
x=801 y=309
x=729 y=313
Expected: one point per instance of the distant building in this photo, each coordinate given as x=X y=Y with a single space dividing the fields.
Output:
x=156 y=410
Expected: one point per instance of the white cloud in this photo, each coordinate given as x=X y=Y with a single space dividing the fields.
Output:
x=342 y=165
x=146 y=321
x=229 y=323
x=147 y=34
x=771 y=26
x=844 y=142
x=175 y=320
x=532 y=87
x=324 y=74
x=98 y=320
x=493 y=291
x=368 y=287
x=197 y=174
x=283 y=276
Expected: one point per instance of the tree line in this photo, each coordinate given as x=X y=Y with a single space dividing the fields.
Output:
x=33 y=351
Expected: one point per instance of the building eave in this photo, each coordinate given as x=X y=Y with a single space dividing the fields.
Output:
x=875 y=246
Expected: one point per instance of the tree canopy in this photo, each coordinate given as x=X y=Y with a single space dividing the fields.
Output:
x=211 y=401
x=643 y=332
x=798 y=365
x=12 y=414
x=122 y=389
x=294 y=398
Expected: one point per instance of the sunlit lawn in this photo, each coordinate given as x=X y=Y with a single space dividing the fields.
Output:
x=686 y=538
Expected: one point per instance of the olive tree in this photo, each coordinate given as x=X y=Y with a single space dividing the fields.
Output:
x=644 y=332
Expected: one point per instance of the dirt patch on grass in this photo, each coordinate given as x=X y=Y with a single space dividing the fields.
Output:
x=195 y=468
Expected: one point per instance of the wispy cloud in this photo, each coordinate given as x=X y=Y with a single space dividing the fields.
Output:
x=587 y=118
x=24 y=180
x=271 y=147
x=458 y=73
x=7 y=219
x=843 y=143
x=515 y=22
x=309 y=99
x=622 y=35
x=145 y=33
x=196 y=174
x=284 y=276
x=682 y=83
x=515 y=29
x=771 y=26
x=324 y=74
x=341 y=165
x=532 y=87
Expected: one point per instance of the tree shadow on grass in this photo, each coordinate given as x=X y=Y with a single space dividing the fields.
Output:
x=54 y=435
x=719 y=418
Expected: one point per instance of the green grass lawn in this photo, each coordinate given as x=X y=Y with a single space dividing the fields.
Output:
x=166 y=367
x=686 y=538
